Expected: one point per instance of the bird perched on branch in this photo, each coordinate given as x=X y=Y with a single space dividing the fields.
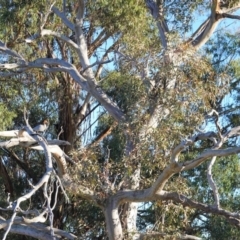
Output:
x=42 y=127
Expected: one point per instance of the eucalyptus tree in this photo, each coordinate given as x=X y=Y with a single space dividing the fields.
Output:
x=142 y=73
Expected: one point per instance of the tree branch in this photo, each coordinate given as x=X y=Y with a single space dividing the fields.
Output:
x=212 y=183
x=233 y=218
x=157 y=13
x=159 y=235
x=45 y=32
x=96 y=63
x=88 y=84
x=63 y=17
x=98 y=42
x=208 y=154
x=145 y=195
x=12 y=53
x=43 y=180
x=226 y=15
x=36 y=230
x=76 y=188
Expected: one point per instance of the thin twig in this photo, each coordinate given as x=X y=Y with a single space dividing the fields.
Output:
x=96 y=63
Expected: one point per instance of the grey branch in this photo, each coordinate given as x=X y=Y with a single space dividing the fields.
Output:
x=44 y=18
x=55 y=34
x=96 y=63
x=12 y=53
x=23 y=138
x=226 y=15
x=36 y=230
x=42 y=181
x=64 y=19
x=233 y=218
x=87 y=83
x=161 y=235
x=212 y=183
x=157 y=13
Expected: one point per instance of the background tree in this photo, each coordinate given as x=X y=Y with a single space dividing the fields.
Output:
x=149 y=106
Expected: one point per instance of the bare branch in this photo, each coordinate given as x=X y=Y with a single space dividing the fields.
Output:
x=45 y=32
x=62 y=188
x=23 y=138
x=157 y=13
x=88 y=84
x=49 y=209
x=226 y=15
x=231 y=133
x=145 y=195
x=40 y=218
x=208 y=154
x=233 y=218
x=212 y=183
x=42 y=181
x=58 y=155
x=80 y=11
x=61 y=131
x=12 y=53
x=81 y=190
x=104 y=58
x=160 y=235
x=63 y=18
x=6 y=179
x=101 y=38
x=36 y=230
x=204 y=32
x=92 y=85
x=96 y=63
x=177 y=150
x=45 y=17
x=103 y=134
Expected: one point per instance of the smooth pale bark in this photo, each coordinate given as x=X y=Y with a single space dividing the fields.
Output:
x=36 y=230
x=212 y=183
x=113 y=223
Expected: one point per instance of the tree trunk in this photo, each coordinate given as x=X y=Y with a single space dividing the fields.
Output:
x=114 y=227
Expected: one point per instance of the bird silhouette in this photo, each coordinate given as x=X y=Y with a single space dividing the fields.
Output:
x=42 y=127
